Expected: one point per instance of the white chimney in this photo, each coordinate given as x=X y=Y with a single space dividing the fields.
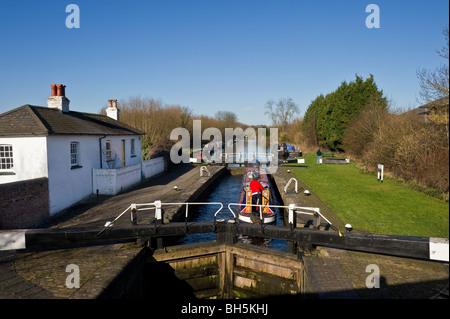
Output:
x=112 y=111
x=58 y=99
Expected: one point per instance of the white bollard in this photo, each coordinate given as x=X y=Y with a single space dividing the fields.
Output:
x=158 y=211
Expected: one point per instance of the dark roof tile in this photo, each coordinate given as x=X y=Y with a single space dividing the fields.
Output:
x=38 y=120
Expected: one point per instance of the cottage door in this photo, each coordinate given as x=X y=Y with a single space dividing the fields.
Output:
x=123 y=153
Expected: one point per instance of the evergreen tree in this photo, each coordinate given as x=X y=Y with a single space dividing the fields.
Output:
x=327 y=118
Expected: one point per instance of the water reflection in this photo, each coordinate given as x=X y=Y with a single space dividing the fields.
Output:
x=248 y=150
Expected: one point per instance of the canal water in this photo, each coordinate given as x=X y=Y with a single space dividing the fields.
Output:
x=228 y=191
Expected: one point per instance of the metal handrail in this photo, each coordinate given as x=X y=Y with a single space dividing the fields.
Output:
x=289 y=183
x=157 y=205
x=292 y=208
x=252 y=155
x=253 y=205
x=203 y=169
x=158 y=214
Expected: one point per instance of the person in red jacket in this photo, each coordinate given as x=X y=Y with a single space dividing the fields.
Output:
x=257 y=189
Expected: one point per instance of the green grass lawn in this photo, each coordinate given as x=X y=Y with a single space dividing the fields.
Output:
x=368 y=205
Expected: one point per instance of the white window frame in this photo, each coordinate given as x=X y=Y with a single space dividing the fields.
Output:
x=133 y=149
x=6 y=158
x=75 y=156
x=108 y=150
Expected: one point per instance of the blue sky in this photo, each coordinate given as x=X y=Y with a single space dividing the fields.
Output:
x=214 y=55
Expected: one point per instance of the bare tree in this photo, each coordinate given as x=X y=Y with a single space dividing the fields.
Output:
x=229 y=118
x=434 y=84
x=281 y=113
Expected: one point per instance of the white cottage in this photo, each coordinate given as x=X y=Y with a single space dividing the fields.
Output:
x=70 y=149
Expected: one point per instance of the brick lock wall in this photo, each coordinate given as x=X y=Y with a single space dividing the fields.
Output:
x=23 y=203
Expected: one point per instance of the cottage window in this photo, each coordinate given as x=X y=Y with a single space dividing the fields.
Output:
x=133 y=152
x=75 y=154
x=108 y=150
x=6 y=157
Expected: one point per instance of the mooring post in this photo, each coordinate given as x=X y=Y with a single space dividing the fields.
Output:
x=316 y=221
x=292 y=246
x=158 y=221
x=158 y=213
x=204 y=169
x=134 y=211
x=380 y=172
x=292 y=217
x=225 y=234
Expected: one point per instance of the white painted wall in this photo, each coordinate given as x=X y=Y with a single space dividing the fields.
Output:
x=69 y=185
x=114 y=181
x=116 y=142
x=30 y=158
x=49 y=156
x=153 y=167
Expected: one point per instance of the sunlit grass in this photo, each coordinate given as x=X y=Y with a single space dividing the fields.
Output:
x=383 y=208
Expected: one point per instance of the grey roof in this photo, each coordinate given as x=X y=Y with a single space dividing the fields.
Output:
x=30 y=120
x=439 y=104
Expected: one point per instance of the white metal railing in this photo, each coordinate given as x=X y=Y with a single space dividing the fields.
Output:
x=204 y=169
x=289 y=183
x=292 y=208
x=253 y=205
x=157 y=206
x=242 y=156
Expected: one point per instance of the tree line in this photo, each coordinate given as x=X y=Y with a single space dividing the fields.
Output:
x=358 y=119
x=157 y=120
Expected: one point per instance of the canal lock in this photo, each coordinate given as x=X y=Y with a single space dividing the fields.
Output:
x=198 y=267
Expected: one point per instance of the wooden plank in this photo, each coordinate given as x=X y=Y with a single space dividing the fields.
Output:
x=265 y=255
x=221 y=261
x=214 y=293
x=202 y=283
x=269 y=268
x=186 y=251
x=244 y=282
x=194 y=262
x=228 y=269
x=265 y=284
x=196 y=272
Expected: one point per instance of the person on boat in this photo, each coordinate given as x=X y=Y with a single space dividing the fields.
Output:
x=257 y=189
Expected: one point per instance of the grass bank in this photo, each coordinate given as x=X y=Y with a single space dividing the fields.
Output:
x=368 y=205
